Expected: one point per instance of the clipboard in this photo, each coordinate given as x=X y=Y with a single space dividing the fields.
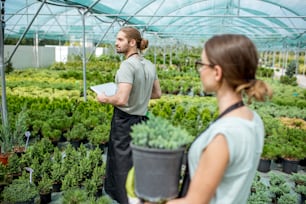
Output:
x=108 y=88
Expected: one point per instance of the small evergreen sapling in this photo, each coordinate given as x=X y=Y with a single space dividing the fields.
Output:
x=159 y=133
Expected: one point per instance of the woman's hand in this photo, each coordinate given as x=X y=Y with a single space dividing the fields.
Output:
x=177 y=201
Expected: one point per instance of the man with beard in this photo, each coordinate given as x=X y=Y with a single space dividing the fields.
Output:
x=137 y=83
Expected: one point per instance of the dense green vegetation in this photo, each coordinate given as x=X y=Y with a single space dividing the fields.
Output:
x=53 y=99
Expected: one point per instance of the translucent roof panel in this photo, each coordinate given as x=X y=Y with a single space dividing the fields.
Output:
x=269 y=23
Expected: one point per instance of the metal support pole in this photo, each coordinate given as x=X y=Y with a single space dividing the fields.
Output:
x=83 y=14
x=102 y=38
x=170 y=54
x=296 y=56
x=273 y=61
x=280 y=59
x=2 y=68
x=304 y=62
x=36 y=46
x=283 y=62
x=156 y=43
x=164 y=54
x=286 y=59
x=84 y=57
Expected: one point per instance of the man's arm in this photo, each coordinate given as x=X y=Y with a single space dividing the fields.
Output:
x=156 y=90
x=120 y=98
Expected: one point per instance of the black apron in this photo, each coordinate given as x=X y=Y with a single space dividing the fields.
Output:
x=119 y=154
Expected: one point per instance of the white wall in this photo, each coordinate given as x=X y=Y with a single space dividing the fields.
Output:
x=43 y=56
x=25 y=56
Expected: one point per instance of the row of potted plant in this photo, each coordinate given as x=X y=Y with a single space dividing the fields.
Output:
x=283 y=141
x=22 y=190
x=62 y=119
x=276 y=188
x=55 y=119
x=67 y=82
x=70 y=120
x=49 y=166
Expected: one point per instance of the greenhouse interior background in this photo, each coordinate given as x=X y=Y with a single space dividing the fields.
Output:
x=275 y=26
x=52 y=51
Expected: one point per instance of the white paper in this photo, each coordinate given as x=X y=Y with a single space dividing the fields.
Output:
x=108 y=88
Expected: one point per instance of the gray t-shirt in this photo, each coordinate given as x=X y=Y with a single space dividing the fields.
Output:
x=141 y=73
x=245 y=140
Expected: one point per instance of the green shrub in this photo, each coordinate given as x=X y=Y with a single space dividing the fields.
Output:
x=9 y=67
x=291 y=69
x=19 y=190
x=289 y=80
x=74 y=196
x=159 y=133
x=287 y=199
x=45 y=184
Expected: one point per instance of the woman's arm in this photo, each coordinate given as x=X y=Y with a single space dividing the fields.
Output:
x=209 y=173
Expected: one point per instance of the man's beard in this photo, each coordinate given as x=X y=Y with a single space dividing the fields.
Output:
x=121 y=50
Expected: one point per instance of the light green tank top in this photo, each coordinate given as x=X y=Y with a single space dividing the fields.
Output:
x=245 y=140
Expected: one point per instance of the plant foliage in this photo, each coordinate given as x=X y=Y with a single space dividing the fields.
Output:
x=20 y=190
x=159 y=133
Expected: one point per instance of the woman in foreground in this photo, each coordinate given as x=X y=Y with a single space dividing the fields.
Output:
x=223 y=160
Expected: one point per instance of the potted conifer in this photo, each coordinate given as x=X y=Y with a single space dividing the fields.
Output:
x=99 y=136
x=299 y=178
x=45 y=188
x=291 y=154
x=57 y=170
x=18 y=134
x=6 y=143
x=269 y=153
x=13 y=166
x=76 y=135
x=158 y=148
x=20 y=191
x=301 y=189
x=12 y=137
x=3 y=177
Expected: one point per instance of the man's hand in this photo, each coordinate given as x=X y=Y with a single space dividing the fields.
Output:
x=101 y=97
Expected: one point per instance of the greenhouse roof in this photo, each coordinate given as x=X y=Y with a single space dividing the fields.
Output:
x=269 y=23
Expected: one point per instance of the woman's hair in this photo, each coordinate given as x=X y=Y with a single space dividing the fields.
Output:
x=238 y=57
x=133 y=33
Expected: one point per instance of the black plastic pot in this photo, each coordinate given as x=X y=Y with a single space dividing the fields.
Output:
x=303 y=198
x=157 y=173
x=75 y=143
x=303 y=162
x=290 y=166
x=45 y=198
x=99 y=192
x=264 y=165
x=57 y=187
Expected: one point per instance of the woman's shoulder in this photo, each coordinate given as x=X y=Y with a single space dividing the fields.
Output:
x=251 y=117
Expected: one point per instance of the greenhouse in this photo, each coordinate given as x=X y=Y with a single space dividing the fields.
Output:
x=55 y=131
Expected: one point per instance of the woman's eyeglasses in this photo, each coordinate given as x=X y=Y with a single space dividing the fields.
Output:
x=198 y=65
